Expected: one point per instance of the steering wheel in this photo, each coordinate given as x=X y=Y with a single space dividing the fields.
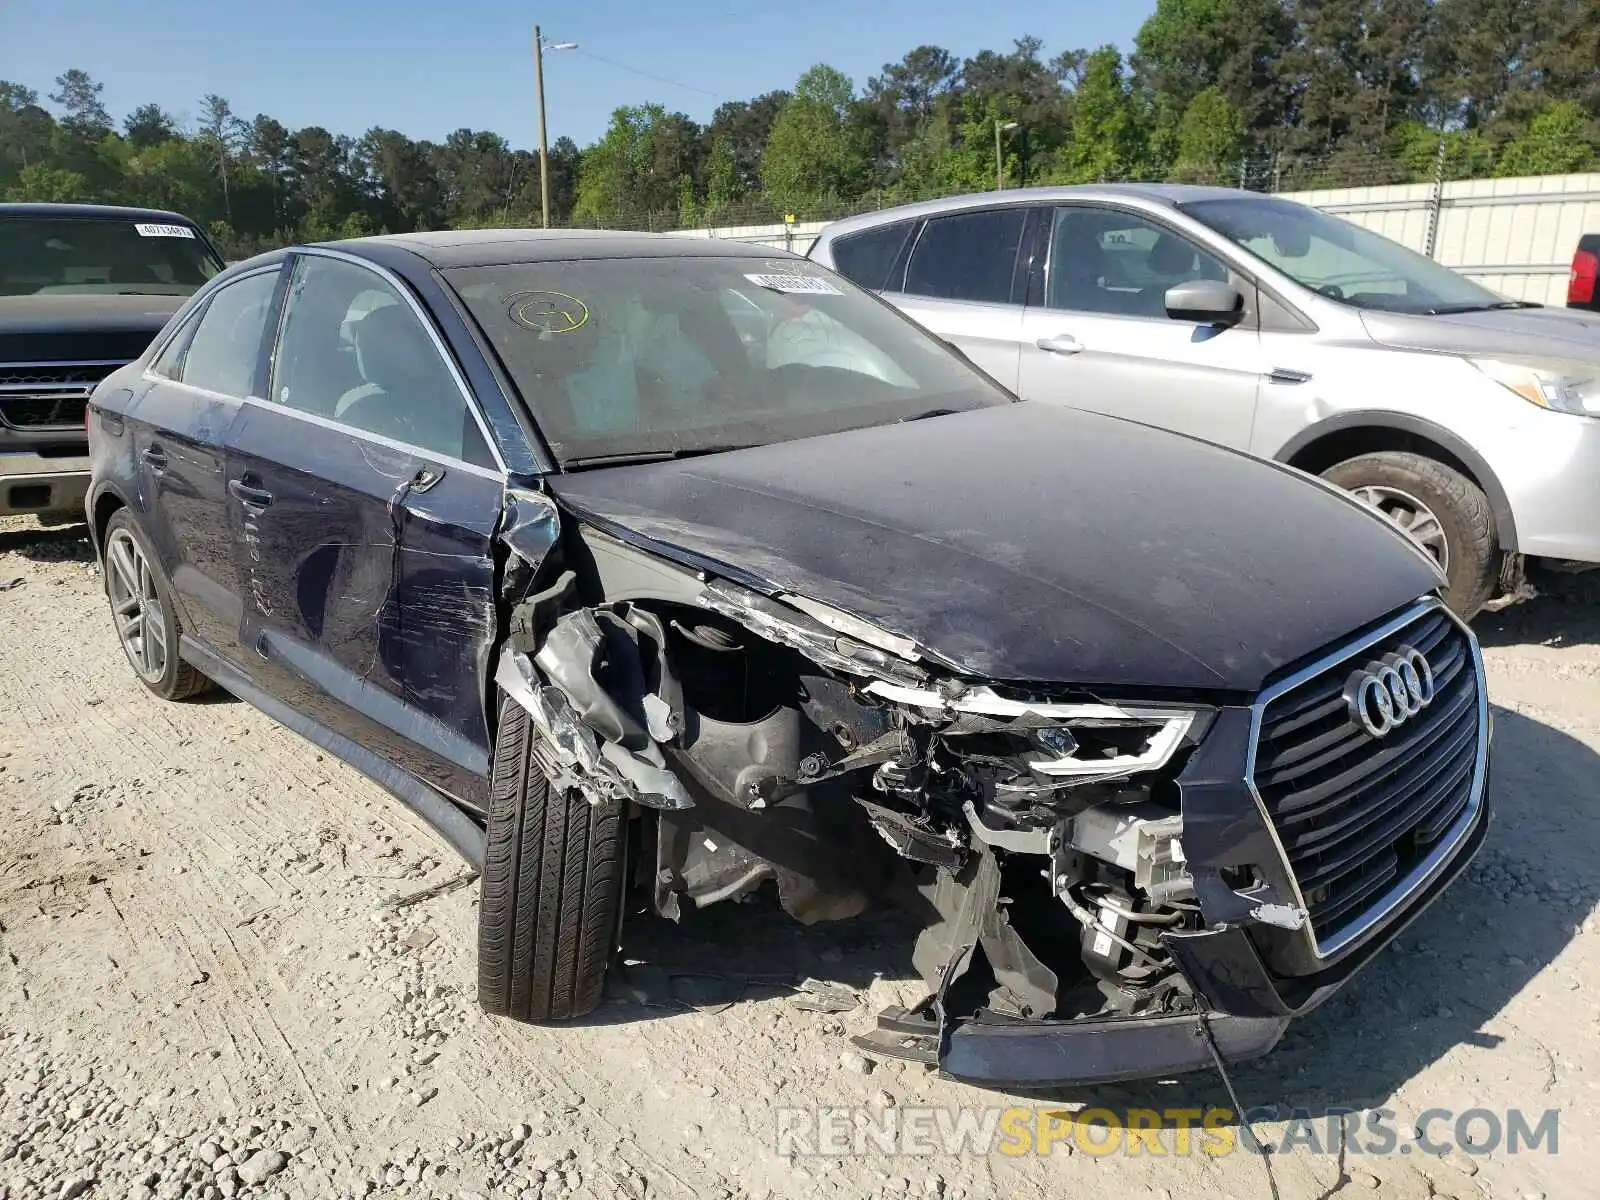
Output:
x=1332 y=291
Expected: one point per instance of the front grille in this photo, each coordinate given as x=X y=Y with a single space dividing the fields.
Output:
x=1356 y=813
x=48 y=395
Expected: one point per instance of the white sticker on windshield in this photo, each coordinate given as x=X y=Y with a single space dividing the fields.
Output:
x=812 y=284
x=145 y=230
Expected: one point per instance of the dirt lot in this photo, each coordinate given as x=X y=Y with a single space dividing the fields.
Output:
x=206 y=988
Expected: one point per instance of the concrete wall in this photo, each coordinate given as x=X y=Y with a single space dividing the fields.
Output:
x=1513 y=235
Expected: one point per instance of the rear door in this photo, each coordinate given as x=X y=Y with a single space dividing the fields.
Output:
x=179 y=427
x=961 y=281
x=366 y=498
x=1096 y=334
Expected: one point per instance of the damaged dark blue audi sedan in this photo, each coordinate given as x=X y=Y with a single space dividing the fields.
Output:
x=651 y=571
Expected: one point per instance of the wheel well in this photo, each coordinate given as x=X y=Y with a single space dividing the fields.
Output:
x=107 y=504
x=1342 y=444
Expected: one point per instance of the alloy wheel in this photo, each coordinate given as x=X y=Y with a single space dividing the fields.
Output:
x=1411 y=516
x=136 y=606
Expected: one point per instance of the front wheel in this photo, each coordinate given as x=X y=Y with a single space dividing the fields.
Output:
x=1440 y=509
x=553 y=876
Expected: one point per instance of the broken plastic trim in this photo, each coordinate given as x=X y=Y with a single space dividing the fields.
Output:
x=1170 y=726
x=574 y=756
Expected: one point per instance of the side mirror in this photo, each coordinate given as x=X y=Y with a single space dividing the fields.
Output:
x=1208 y=301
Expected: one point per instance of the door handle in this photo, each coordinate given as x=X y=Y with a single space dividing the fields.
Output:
x=1061 y=343
x=254 y=496
x=156 y=457
x=1286 y=375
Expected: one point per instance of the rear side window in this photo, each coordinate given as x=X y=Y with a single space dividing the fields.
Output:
x=222 y=355
x=967 y=256
x=868 y=257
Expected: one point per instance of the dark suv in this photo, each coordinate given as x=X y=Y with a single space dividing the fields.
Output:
x=83 y=289
x=650 y=571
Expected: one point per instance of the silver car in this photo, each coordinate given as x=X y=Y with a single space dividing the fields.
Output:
x=1470 y=420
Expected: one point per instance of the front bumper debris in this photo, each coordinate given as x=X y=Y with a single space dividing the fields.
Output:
x=1247 y=1010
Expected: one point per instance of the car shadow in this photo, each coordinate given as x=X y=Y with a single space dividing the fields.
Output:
x=49 y=543
x=1442 y=985
x=738 y=952
x=1566 y=612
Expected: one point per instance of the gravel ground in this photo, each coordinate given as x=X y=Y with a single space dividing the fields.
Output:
x=231 y=967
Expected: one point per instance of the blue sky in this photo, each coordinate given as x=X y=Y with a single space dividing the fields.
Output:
x=426 y=67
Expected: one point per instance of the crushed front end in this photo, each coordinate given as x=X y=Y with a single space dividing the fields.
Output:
x=1111 y=886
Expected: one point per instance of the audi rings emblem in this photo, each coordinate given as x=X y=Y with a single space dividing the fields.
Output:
x=1385 y=694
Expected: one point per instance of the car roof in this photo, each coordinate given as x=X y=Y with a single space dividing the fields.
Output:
x=104 y=212
x=494 y=247
x=1168 y=194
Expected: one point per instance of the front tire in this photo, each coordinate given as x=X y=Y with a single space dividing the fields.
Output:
x=143 y=613
x=553 y=875
x=1438 y=507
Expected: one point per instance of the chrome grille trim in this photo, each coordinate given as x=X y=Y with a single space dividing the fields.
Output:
x=1422 y=873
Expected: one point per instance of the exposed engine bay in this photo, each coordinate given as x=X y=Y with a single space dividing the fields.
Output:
x=777 y=739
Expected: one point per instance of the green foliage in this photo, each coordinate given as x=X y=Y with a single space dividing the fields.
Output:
x=1108 y=133
x=1210 y=139
x=1468 y=154
x=50 y=185
x=1559 y=140
x=1282 y=93
x=816 y=154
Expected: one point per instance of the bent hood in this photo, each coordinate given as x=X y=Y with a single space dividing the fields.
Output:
x=1033 y=543
x=1509 y=332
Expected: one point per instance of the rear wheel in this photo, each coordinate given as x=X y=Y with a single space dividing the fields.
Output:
x=1440 y=509
x=145 y=617
x=553 y=876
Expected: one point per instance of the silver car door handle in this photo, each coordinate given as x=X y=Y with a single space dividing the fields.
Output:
x=1061 y=343
x=1285 y=375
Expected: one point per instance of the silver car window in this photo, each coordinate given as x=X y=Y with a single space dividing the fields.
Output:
x=1120 y=264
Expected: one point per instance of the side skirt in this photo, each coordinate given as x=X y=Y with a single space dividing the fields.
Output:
x=464 y=834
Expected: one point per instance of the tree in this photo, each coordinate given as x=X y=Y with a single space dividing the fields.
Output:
x=1559 y=140
x=1359 y=61
x=815 y=155
x=221 y=134
x=1239 y=47
x=48 y=185
x=633 y=174
x=745 y=125
x=1107 y=139
x=26 y=131
x=149 y=125
x=1211 y=139
x=79 y=96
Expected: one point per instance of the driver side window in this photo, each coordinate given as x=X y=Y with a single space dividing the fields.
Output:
x=1119 y=264
x=351 y=350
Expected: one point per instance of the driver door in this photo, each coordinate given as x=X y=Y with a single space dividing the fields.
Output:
x=366 y=498
x=1096 y=334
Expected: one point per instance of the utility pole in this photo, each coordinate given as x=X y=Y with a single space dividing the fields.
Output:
x=999 y=162
x=544 y=143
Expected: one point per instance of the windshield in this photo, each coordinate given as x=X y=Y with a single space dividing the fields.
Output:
x=659 y=356
x=42 y=256
x=1339 y=260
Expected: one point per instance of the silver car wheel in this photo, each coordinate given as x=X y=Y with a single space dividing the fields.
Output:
x=1411 y=516
x=136 y=606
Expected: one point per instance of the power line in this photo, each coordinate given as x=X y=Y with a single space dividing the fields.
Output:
x=688 y=87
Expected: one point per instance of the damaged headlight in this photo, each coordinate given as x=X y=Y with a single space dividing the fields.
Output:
x=1070 y=743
